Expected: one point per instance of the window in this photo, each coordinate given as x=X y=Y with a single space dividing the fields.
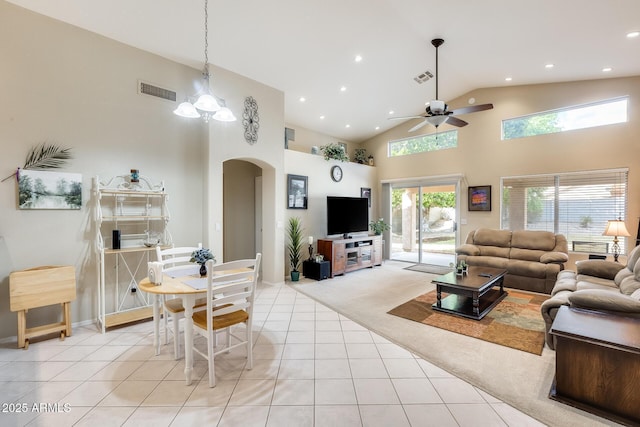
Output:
x=578 y=117
x=577 y=205
x=424 y=143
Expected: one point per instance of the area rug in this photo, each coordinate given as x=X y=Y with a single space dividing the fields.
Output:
x=515 y=322
x=430 y=268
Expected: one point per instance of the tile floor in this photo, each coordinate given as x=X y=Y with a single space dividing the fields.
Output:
x=312 y=367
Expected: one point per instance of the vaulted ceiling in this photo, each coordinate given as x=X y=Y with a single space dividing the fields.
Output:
x=307 y=49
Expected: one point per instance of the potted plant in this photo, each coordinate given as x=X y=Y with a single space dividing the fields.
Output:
x=334 y=151
x=378 y=227
x=294 y=233
x=360 y=156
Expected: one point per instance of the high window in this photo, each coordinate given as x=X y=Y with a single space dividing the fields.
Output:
x=577 y=205
x=424 y=143
x=564 y=119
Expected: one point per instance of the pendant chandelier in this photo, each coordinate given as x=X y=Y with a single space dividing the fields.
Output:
x=208 y=106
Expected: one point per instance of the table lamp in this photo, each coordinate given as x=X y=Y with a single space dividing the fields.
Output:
x=615 y=228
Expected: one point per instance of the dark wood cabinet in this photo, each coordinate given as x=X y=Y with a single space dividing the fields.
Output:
x=351 y=254
x=598 y=364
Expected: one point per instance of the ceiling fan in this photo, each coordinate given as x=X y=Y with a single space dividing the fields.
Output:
x=437 y=111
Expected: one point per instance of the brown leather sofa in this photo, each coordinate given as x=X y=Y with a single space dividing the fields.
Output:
x=532 y=259
x=597 y=285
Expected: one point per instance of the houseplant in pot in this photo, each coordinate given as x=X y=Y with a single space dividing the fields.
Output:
x=294 y=234
x=378 y=227
x=334 y=151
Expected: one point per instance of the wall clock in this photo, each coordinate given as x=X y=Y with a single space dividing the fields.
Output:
x=336 y=173
x=250 y=120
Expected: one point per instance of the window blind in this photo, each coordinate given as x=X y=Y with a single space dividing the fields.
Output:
x=577 y=205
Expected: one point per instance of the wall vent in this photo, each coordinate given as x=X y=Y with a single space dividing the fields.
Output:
x=423 y=77
x=152 y=90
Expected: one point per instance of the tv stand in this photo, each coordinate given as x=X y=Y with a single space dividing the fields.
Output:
x=352 y=253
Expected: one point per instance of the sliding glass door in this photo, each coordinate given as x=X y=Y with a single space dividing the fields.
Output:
x=423 y=225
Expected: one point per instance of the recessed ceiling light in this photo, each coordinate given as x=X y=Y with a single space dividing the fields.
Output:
x=472 y=101
x=508 y=79
x=348 y=126
x=377 y=127
x=391 y=112
x=633 y=34
x=321 y=117
x=302 y=99
x=549 y=66
x=358 y=58
x=343 y=88
x=606 y=69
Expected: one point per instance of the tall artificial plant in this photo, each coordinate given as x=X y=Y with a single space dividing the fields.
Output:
x=294 y=233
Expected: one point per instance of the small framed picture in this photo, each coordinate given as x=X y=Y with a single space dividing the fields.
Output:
x=366 y=192
x=296 y=192
x=480 y=198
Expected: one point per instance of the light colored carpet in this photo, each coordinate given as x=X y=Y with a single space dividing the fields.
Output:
x=515 y=377
x=430 y=268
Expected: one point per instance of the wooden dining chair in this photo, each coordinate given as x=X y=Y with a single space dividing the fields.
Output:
x=173 y=260
x=230 y=295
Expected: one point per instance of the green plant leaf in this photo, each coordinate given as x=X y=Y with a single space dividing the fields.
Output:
x=46 y=156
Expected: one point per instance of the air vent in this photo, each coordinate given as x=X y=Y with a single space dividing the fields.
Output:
x=158 y=92
x=423 y=77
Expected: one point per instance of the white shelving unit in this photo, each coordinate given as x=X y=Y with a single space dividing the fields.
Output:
x=139 y=210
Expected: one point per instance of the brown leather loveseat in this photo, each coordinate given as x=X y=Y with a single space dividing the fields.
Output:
x=532 y=259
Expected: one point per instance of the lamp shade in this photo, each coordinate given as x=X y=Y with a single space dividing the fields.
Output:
x=186 y=109
x=437 y=120
x=207 y=102
x=616 y=227
x=224 y=115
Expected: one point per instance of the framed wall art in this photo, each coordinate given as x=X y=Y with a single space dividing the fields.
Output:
x=480 y=198
x=297 y=192
x=366 y=192
x=49 y=190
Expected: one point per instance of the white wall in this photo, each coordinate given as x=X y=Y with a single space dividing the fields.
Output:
x=320 y=185
x=65 y=85
x=483 y=157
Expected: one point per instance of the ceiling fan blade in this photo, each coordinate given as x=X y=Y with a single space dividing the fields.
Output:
x=454 y=121
x=405 y=117
x=472 y=109
x=418 y=126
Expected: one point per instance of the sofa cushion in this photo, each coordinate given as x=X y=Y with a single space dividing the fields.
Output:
x=636 y=295
x=494 y=251
x=490 y=237
x=527 y=268
x=554 y=257
x=526 y=254
x=582 y=285
x=488 y=261
x=598 y=268
x=541 y=240
x=600 y=299
x=468 y=249
x=633 y=258
x=629 y=285
x=621 y=275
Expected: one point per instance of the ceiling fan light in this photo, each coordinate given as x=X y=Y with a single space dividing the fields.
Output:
x=186 y=109
x=207 y=102
x=437 y=120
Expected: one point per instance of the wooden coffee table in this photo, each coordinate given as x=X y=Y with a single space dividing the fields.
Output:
x=471 y=295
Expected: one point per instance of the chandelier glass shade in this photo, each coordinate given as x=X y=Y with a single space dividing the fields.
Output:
x=208 y=106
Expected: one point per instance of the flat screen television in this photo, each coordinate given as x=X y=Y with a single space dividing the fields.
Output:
x=347 y=215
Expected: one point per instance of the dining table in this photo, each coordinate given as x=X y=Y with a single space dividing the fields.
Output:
x=188 y=285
